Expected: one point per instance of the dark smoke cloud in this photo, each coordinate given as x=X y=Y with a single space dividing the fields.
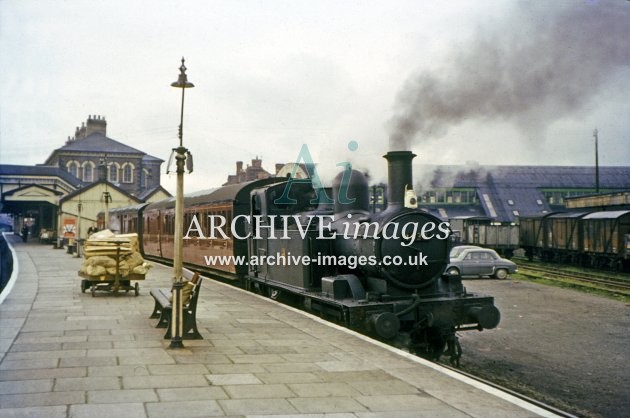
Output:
x=542 y=63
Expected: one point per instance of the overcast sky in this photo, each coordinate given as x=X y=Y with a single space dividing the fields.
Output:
x=496 y=82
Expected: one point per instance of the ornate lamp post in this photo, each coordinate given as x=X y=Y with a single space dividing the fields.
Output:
x=106 y=197
x=79 y=207
x=181 y=154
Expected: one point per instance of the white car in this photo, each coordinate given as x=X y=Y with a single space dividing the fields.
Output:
x=455 y=251
x=478 y=262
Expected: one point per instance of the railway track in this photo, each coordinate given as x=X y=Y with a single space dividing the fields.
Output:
x=608 y=283
x=514 y=393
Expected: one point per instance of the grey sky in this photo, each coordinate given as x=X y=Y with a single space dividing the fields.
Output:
x=273 y=75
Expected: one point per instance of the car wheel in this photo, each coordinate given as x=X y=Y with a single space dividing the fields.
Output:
x=453 y=271
x=501 y=274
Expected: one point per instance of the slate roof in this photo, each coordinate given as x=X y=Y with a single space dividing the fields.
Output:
x=537 y=176
x=446 y=212
x=508 y=192
x=39 y=170
x=26 y=186
x=94 y=184
x=99 y=142
x=150 y=192
x=148 y=157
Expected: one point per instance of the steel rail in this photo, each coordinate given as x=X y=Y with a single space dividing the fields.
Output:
x=514 y=393
x=580 y=277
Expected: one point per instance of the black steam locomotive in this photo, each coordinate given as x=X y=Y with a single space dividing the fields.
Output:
x=379 y=273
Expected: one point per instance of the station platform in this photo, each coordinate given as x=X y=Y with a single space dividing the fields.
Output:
x=64 y=353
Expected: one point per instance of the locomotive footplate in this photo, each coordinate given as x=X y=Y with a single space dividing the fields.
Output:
x=385 y=319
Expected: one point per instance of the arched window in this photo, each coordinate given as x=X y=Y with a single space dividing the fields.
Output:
x=112 y=172
x=145 y=177
x=88 y=171
x=73 y=168
x=127 y=173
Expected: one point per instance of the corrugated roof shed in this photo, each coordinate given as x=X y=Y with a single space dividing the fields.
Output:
x=508 y=192
x=538 y=176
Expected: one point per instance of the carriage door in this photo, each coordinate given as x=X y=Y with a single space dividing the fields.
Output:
x=257 y=247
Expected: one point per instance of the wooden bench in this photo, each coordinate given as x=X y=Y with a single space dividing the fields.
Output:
x=163 y=308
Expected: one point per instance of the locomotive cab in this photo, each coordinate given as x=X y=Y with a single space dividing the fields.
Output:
x=283 y=234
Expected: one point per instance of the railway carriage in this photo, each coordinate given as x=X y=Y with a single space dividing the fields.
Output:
x=126 y=220
x=227 y=203
x=404 y=301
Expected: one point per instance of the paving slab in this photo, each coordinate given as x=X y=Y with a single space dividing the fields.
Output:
x=64 y=352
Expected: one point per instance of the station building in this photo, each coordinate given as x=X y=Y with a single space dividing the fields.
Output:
x=87 y=175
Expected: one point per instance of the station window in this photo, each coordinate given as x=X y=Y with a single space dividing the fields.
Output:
x=88 y=171
x=73 y=168
x=112 y=172
x=145 y=177
x=127 y=173
x=450 y=196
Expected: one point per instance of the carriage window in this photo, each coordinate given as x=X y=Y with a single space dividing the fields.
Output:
x=256 y=206
x=229 y=223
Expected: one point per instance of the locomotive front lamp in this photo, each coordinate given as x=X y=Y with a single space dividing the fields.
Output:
x=181 y=155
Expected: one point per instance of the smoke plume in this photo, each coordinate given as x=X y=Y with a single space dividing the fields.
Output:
x=541 y=64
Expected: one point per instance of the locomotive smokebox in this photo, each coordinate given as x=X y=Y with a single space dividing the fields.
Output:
x=399 y=175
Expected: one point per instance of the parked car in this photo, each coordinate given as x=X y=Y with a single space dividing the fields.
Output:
x=478 y=262
x=455 y=251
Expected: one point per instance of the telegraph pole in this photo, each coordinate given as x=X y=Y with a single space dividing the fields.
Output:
x=596 y=162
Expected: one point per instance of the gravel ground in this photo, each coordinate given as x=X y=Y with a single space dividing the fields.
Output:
x=560 y=346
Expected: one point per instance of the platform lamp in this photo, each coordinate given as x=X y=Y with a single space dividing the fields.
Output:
x=183 y=158
x=106 y=196
x=79 y=208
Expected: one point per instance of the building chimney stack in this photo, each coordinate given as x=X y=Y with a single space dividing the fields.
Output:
x=96 y=124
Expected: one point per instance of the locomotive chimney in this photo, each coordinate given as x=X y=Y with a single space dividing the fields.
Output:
x=399 y=175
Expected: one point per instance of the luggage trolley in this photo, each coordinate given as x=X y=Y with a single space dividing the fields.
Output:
x=111 y=282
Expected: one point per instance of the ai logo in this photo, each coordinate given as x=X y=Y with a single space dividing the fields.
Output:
x=305 y=156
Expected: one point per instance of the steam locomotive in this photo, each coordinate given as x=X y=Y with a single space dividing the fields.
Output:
x=378 y=273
